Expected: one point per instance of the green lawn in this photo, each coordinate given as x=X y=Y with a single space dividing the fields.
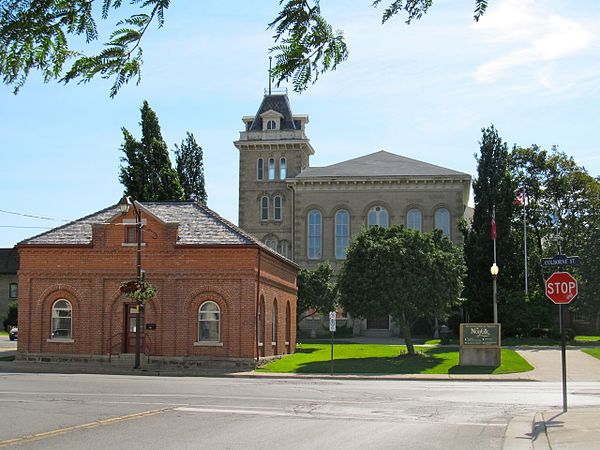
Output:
x=595 y=352
x=384 y=359
x=3 y=333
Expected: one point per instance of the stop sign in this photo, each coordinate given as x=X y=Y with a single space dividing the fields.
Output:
x=561 y=288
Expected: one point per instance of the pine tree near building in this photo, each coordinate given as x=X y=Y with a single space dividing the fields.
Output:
x=146 y=172
x=493 y=187
x=190 y=169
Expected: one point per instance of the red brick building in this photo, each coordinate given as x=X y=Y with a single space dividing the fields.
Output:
x=222 y=296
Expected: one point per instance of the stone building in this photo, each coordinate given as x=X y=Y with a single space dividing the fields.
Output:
x=223 y=298
x=310 y=214
x=9 y=287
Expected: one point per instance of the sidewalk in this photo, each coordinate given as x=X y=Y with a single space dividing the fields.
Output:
x=577 y=429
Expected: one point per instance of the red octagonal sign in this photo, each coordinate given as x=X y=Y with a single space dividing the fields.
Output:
x=561 y=288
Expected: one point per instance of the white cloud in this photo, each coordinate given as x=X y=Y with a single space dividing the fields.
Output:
x=529 y=35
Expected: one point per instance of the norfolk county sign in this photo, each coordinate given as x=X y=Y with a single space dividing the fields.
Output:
x=480 y=334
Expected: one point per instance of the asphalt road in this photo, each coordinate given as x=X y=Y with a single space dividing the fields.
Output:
x=50 y=411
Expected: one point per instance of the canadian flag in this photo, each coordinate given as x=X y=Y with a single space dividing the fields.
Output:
x=520 y=200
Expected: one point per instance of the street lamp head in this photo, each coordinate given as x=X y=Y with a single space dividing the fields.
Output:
x=494 y=270
x=124 y=204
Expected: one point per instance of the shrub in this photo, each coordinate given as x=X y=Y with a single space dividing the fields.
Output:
x=12 y=315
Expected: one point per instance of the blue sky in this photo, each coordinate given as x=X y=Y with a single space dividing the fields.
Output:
x=530 y=67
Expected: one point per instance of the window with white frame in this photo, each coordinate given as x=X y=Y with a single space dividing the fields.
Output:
x=13 y=290
x=274 y=323
x=62 y=320
x=414 y=219
x=261 y=321
x=314 y=234
x=277 y=208
x=271 y=168
x=264 y=208
x=260 y=169
x=378 y=215
x=342 y=233
x=271 y=125
x=284 y=248
x=282 y=169
x=209 y=322
x=442 y=221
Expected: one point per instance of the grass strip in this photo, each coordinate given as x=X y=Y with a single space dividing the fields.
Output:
x=387 y=359
x=595 y=352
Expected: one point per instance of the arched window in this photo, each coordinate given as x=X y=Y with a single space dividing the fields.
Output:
x=271 y=243
x=282 y=169
x=264 y=208
x=274 y=323
x=62 y=320
x=271 y=125
x=342 y=233
x=271 y=169
x=209 y=322
x=260 y=169
x=261 y=321
x=314 y=234
x=378 y=215
x=414 y=220
x=287 y=325
x=442 y=221
x=277 y=208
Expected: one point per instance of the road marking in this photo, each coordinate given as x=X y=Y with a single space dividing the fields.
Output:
x=327 y=415
x=97 y=423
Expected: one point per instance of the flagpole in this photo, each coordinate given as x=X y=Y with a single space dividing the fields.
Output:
x=494 y=236
x=525 y=237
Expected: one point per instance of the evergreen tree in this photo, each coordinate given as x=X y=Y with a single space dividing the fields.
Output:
x=190 y=169
x=146 y=172
x=493 y=187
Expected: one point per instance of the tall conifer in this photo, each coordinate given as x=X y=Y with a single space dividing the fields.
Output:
x=493 y=187
x=146 y=172
x=190 y=169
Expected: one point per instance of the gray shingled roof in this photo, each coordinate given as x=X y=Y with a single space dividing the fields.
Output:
x=198 y=225
x=279 y=103
x=380 y=164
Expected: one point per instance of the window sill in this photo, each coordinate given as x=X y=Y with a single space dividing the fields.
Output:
x=208 y=344
x=287 y=342
x=60 y=341
x=260 y=344
x=273 y=344
x=131 y=244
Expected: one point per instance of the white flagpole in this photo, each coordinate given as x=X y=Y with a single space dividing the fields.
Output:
x=525 y=237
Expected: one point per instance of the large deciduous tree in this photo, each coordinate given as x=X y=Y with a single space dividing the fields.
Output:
x=401 y=272
x=34 y=35
x=190 y=169
x=146 y=170
x=492 y=188
x=317 y=292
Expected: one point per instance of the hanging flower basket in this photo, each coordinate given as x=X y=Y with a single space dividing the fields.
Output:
x=140 y=291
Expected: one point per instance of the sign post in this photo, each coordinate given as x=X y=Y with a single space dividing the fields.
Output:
x=561 y=288
x=332 y=328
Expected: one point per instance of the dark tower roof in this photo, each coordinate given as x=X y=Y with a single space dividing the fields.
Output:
x=276 y=102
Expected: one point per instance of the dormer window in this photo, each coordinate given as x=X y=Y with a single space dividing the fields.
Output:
x=271 y=125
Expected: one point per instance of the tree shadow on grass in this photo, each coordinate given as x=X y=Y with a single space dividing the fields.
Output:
x=380 y=365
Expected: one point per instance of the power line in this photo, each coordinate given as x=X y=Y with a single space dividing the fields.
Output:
x=34 y=216
x=18 y=226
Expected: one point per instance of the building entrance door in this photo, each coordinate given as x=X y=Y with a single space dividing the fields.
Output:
x=378 y=323
x=129 y=323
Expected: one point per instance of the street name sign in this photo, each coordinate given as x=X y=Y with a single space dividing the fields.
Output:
x=561 y=288
x=560 y=260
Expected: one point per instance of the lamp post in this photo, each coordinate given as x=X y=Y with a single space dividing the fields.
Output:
x=124 y=205
x=494 y=271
